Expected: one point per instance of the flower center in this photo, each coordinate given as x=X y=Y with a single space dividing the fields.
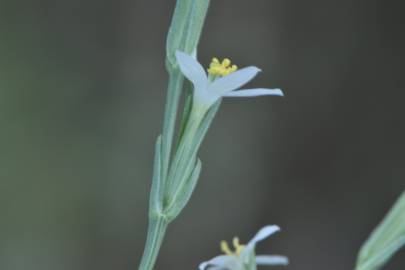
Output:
x=223 y=68
x=237 y=247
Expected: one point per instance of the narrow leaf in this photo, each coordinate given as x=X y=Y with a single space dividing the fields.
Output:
x=385 y=240
x=204 y=126
x=183 y=194
x=185 y=30
x=187 y=109
x=188 y=148
x=155 y=200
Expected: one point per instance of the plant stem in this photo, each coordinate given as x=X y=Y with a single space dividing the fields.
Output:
x=156 y=232
x=176 y=80
x=184 y=34
x=158 y=223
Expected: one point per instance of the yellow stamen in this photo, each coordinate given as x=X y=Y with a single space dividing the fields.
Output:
x=226 y=62
x=223 y=68
x=237 y=246
x=225 y=248
x=233 y=68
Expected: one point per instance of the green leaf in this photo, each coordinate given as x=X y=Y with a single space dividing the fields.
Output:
x=185 y=30
x=188 y=148
x=183 y=194
x=204 y=126
x=187 y=109
x=385 y=240
x=155 y=200
x=184 y=171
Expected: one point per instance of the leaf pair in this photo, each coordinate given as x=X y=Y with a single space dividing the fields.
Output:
x=170 y=194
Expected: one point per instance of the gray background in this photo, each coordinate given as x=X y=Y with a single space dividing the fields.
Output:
x=82 y=89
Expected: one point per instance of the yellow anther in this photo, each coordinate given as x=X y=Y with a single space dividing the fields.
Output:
x=225 y=248
x=215 y=60
x=226 y=62
x=238 y=247
x=223 y=68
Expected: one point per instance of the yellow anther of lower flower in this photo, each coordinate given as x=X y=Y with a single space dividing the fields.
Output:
x=237 y=246
x=225 y=248
x=223 y=68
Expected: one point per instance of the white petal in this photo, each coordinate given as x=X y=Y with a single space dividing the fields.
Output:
x=255 y=92
x=223 y=262
x=263 y=234
x=234 y=80
x=192 y=70
x=271 y=260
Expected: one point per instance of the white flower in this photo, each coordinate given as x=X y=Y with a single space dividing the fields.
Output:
x=223 y=80
x=244 y=258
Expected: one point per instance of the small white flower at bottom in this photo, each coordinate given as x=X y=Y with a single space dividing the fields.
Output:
x=244 y=257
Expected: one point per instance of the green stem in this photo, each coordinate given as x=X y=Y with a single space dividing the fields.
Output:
x=184 y=34
x=156 y=232
x=176 y=80
x=158 y=223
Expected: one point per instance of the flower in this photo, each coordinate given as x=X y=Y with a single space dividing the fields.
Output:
x=244 y=258
x=223 y=81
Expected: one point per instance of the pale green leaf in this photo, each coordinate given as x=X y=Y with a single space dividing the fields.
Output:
x=183 y=194
x=385 y=240
x=155 y=200
x=185 y=30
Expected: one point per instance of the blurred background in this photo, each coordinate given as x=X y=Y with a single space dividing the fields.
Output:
x=82 y=90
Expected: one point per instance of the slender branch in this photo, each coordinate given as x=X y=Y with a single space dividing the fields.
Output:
x=184 y=34
x=156 y=232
